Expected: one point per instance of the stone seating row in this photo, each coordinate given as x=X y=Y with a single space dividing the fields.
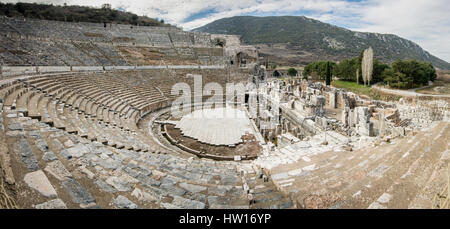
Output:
x=80 y=173
x=37 y=104
x=50 y=43
x=392 y=175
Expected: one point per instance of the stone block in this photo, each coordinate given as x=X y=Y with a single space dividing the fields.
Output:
x=52 y=204
x=123 y=203
x=39 y=182
x=78 y=193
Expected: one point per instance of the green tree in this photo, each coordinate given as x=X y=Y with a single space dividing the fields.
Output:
x=292 y=72
x=346 y=69
x=420 y=72
x=276 y=73
x=328 y=73
x=396 y=79
x=429 y=71
x=134 y=19
x=273 y=66
x=378 y=68
x=319 y=69
x=75 y=14
x=307 y=71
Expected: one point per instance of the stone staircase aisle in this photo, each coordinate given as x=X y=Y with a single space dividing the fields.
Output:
x=261 y=190
x=390 y=175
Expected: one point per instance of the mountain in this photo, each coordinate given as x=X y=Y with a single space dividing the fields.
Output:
x=290 y=40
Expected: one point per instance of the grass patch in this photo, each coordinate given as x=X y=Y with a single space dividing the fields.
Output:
x=352 y=86
x=6 y=199
x=363 y=90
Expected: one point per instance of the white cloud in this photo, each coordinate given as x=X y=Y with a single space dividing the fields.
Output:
x=424 y=22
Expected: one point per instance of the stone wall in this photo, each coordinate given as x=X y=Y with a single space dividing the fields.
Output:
x=425 y=112
x=235 y=51
x=11 y=71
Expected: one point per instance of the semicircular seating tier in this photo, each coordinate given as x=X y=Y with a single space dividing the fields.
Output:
x=83 y=136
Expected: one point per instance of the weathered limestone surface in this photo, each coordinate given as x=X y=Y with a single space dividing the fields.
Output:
x=124 y=203
x=39 y=182
x=77 y=192
x=57 y=169
x=52 y=204
x=28 y=157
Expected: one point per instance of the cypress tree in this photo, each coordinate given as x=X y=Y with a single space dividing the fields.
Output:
x=328 y=74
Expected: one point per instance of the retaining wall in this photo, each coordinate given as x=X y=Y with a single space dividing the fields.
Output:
x=6 y=71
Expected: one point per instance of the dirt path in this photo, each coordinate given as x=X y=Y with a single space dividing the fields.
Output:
x=409 y=93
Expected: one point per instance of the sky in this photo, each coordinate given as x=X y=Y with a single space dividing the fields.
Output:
x=425 y=22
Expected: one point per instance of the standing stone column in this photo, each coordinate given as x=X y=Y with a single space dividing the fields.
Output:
x=332 y=102
x=382 y=121
x=319 y=103
x=345 y=116
x=364 y=126
x=351 y=118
